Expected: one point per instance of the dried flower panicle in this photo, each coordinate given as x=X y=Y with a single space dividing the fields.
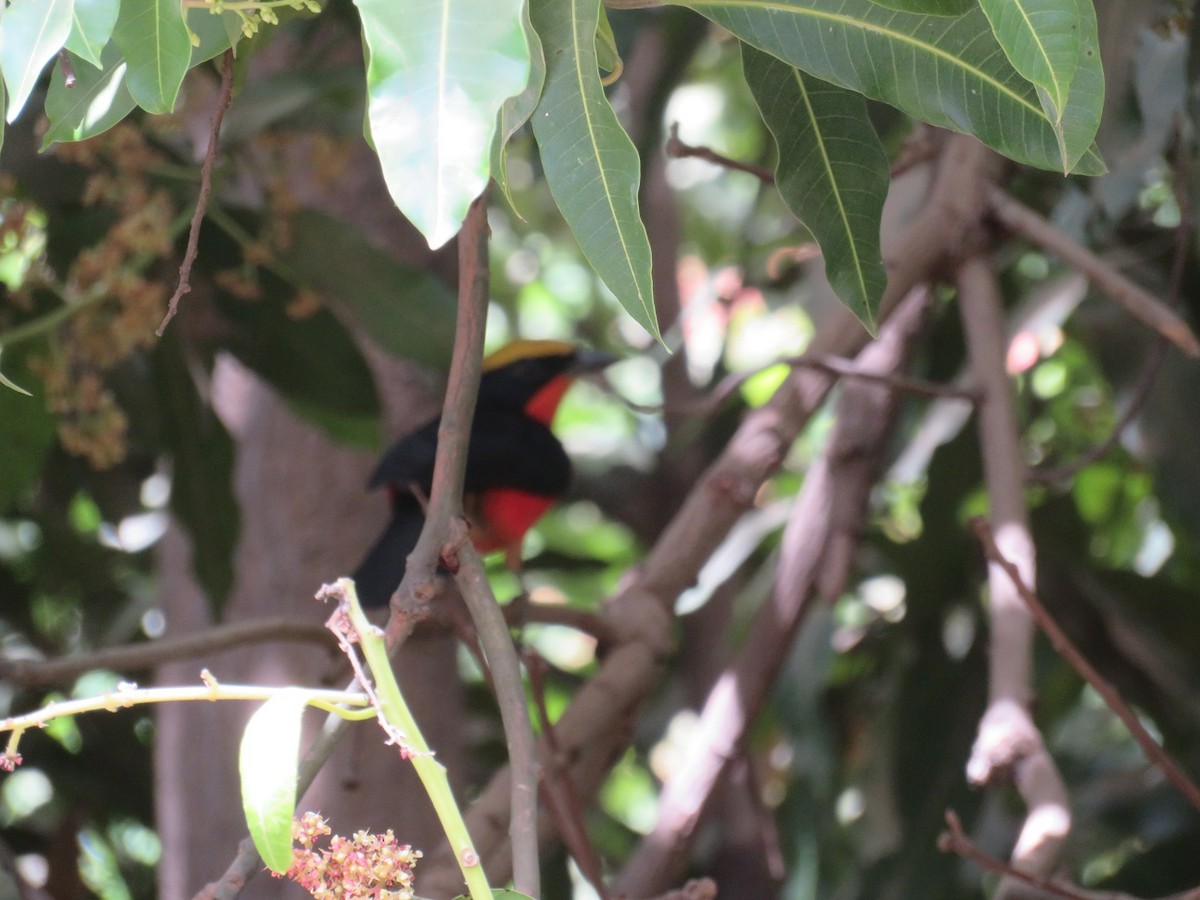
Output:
x=364 y=865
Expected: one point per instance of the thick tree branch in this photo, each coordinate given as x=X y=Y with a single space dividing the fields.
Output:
x=1008 y=742
x=824 y=528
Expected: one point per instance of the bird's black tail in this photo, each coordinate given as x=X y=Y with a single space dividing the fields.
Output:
x=380 y=573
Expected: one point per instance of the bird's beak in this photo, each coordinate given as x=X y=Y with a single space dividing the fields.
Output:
x=589 y=361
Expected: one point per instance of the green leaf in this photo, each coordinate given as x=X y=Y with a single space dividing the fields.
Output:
x=92 y=23
x=31 y=32
x=1041 y=40
x=437 y=75
x=99 y=100
x=949 y=72
x=832 y=173
x=590 y=163
x=202 y=480
x=516 y=110
x=406 y=311
x=154 y=38
x=268 y=763
x=500 y=894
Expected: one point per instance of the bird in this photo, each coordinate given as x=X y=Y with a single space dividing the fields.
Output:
x=516 y=468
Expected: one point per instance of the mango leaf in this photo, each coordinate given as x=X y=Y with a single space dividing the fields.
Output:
x=929 y=7
x=1086 y=101
x=154 y=38
x=31 y=32
x=404 y=310
x=99 y=100
x=590 y=163
x=437 y=76
x=92 y=23
x=954 y=73
x=268 y=762
x=832 y=173
x=516 y=110
x=1041 y=40
x=202 y=480
x=501 y=894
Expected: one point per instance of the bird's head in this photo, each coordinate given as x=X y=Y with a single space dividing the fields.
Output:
x=533 y=375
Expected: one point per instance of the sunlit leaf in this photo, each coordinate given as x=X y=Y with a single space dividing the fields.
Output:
x=437 y=75
x=946 y=71
x=92 y=24
x=268 y=763
x=832 y=173
x=99 y=100
x=31 y=32
x=591 y=165
x=607 y=55
x=154 y=38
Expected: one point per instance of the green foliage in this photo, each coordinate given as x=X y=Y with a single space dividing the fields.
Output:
x=832 y=173
x=269 y=764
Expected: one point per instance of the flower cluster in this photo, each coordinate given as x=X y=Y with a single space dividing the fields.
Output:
x=364 y=865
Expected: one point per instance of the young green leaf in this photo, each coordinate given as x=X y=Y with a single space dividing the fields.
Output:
x=591 y=165
x=31 y=32
x=437 y=74
x=949 y=72
x=92 y=24
x=268 y=762
x=98 y=101
x=154 y=38
x=832 y=173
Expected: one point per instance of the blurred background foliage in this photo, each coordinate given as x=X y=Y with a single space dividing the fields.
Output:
x=865 y=741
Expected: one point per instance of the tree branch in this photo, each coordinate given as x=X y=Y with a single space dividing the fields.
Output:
x=1137 y=301
x=1063 y=644
x=133 y=657
x=1008 y=741
x=210 y=158
x=817 y=550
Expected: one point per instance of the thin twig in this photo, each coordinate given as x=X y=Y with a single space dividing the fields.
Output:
x=677 y=149
x=210 y=156
x=134 y=657
x=955 y=841
x=1154 y=752
x=1136 y=300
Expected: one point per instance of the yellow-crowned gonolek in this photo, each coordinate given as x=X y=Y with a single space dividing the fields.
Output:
x=516 y=468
